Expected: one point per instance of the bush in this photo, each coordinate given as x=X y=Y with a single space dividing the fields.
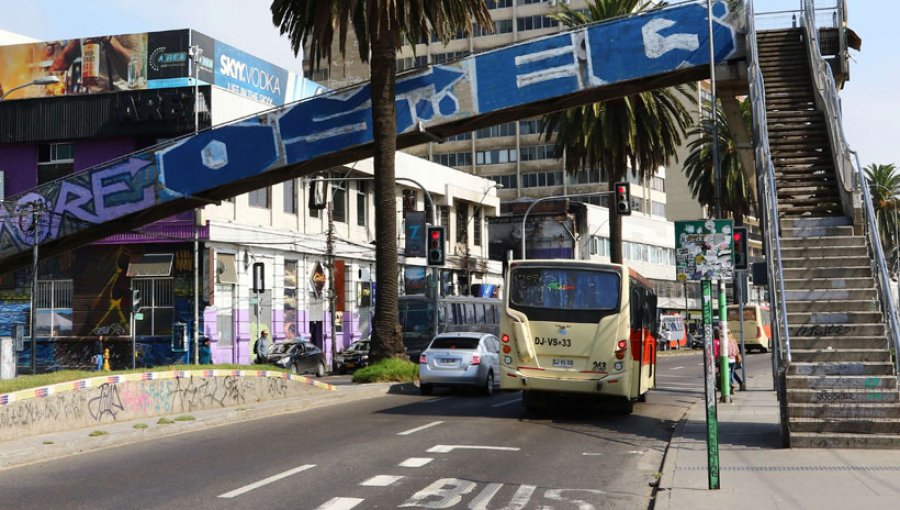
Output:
x=389 y=370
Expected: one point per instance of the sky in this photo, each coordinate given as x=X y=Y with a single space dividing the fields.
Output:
x=871 y=103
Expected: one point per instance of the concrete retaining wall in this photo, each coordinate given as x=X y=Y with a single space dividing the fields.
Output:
x=99 y=400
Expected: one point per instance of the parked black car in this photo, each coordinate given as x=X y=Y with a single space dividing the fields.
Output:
x=353 y=357
x=300 y=356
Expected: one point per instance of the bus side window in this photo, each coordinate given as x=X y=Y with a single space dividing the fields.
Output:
x=456 y=315
x=636 y=312
x=470 y=313
x=479 y=313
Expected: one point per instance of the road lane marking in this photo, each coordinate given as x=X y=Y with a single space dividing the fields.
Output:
x=340 y=504
x=435 y=400
x=447 y=448
x=380 y=481
x=508 y=402
x=266 y=481
x=676 y=368
x=423 y=427
x=415 y=462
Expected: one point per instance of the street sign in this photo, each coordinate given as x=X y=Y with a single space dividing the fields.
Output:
x=703 y=250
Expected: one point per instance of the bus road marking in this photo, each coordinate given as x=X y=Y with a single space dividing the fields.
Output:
x=266 y=481
x=508 y=402
x=380 y=481
x=447 y=448
x=340 y=504
x=423 y=427
x=415 y=462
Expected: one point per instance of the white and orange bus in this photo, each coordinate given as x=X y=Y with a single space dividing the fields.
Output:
x=757 y=326
x=579 y=329
x=672 y=331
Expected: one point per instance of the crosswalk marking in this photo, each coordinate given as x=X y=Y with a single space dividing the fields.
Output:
x=415 y=462
x=340 y=504
x=380 y=481
x=266 y=481
x=447 y=448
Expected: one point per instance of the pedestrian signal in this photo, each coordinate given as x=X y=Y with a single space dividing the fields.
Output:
x=436 y=255
x=623 y=198
x=741 y=255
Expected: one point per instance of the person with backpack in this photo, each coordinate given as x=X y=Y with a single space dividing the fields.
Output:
x=262 y=346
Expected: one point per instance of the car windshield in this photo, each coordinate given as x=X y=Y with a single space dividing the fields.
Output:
x=454 y=343
x=359 y=347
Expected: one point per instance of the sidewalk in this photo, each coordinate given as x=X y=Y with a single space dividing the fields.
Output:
x=42 y=447
x=756 y=472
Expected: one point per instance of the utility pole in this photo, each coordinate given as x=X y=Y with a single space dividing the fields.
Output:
x=35 y=214
x=195 y=54
x=329 y=263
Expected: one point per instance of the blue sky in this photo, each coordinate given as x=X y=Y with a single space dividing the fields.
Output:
x=871 y=101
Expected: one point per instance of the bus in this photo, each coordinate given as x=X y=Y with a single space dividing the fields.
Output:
x=457 y=314
x=578 y=329
x=757 y=326
x=672 y=332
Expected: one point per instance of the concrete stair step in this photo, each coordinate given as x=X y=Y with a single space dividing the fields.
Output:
x=881 y=435
x=827 y=272
x=815 y=262
x=825 y=203
x=803 y=171
x=872 y=383
x=823 y=241
x=773 y=88
x=834 y=318
x=797 y=328
x=788 y=232
x=839 y=397
x=816 y=251
x=837 y=342
x=883 y=372
x=828 y=283
x=861 y=305
x=816 y=222
x=806 y=210
x=840 y=355
x=865 y=410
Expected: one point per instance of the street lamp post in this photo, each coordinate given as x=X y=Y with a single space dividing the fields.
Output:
x=36 y=207
x=475 y=213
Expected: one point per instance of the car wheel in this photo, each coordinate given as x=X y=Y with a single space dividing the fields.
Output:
x=426 y=389
x=294 y=369
x=488 y=388
x=320 y=369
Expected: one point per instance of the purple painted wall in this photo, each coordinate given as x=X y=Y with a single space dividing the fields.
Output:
x=92 y=152
x=19 y=161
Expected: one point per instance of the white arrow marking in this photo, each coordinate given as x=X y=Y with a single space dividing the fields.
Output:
x=423 y=427
x=656 y=45
x=340 y=504
x=447 y=448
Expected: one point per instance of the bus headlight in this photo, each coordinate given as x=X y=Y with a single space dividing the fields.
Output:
x=618 y=366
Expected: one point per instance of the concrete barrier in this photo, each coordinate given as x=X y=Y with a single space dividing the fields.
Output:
x=105 y=399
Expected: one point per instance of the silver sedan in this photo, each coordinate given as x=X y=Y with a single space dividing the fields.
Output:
x=460 y=359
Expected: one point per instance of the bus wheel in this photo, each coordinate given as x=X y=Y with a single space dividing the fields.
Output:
x=626 y=406
x=426 y=389
x=642 y=397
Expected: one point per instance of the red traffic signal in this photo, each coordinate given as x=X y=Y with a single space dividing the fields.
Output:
x=741 y=251
x=622 y=201
x=436 y=255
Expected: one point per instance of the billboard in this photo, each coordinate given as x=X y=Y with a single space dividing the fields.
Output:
x=153 y=60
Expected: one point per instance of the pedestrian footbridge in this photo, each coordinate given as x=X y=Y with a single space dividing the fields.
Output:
x=828 y=281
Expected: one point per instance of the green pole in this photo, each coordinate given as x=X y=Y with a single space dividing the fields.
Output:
x=712 y=420
x=724 y=371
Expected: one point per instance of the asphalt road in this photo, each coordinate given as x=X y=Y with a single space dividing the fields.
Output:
x=450 y=450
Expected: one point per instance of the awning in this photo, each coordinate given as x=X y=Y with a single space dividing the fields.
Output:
x=154 y=265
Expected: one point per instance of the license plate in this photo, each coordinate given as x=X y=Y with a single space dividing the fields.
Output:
x=563 y=363
x=448 y=361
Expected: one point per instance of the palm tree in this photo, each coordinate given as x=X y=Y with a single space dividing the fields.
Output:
x=884 y=185
x=381 y=27
x=641 y=130
x=737 y=194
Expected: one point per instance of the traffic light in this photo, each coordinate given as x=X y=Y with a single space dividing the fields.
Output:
x=436 y=255
x=741 y=255
x=623 y=198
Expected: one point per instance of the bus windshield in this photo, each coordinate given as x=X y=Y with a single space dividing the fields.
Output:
x=564 y=288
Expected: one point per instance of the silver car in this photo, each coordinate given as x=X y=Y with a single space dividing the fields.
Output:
x=460 y=359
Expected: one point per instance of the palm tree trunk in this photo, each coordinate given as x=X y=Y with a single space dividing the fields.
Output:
x=387 y=341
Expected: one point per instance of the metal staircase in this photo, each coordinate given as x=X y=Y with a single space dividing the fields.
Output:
x=838 y=383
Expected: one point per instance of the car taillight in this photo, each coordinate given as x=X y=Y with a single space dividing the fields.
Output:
x=506 y=349
x=422 y=359
x=504 y=338
x=476 y=360
x=621 y=345
x=758 y=332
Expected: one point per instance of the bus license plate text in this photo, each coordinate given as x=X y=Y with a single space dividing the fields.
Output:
x=563 y=363
x=553 y=342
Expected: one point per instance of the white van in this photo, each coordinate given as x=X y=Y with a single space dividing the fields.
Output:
x=672 y=332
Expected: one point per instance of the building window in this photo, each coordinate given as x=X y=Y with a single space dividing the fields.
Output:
x=536 y=22
x=409 y=200
x=339 y=201
x=453 y=159
x=658 y=183
x=657 y=208
x=459 y=138
x=499 y=4
x=290 y=196
x=156 y=306
x=530 y=127
x=362 y=203
x=54 y=308
x=508 y=129
x=259 y=198
x=541 y=179
x=55 y=160
x=476 y=227
x=508 y=181
x=536 y=152
x=445 y=218
x=496 y=157
x=587 y=176
x=440 y=58
x=462 y=223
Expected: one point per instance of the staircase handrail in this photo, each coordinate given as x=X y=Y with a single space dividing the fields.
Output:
x=827 y=89
x=765 y=175
x=880 y=267
x=824 y=84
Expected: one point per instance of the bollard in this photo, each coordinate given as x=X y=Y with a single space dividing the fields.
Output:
x=106 y=360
